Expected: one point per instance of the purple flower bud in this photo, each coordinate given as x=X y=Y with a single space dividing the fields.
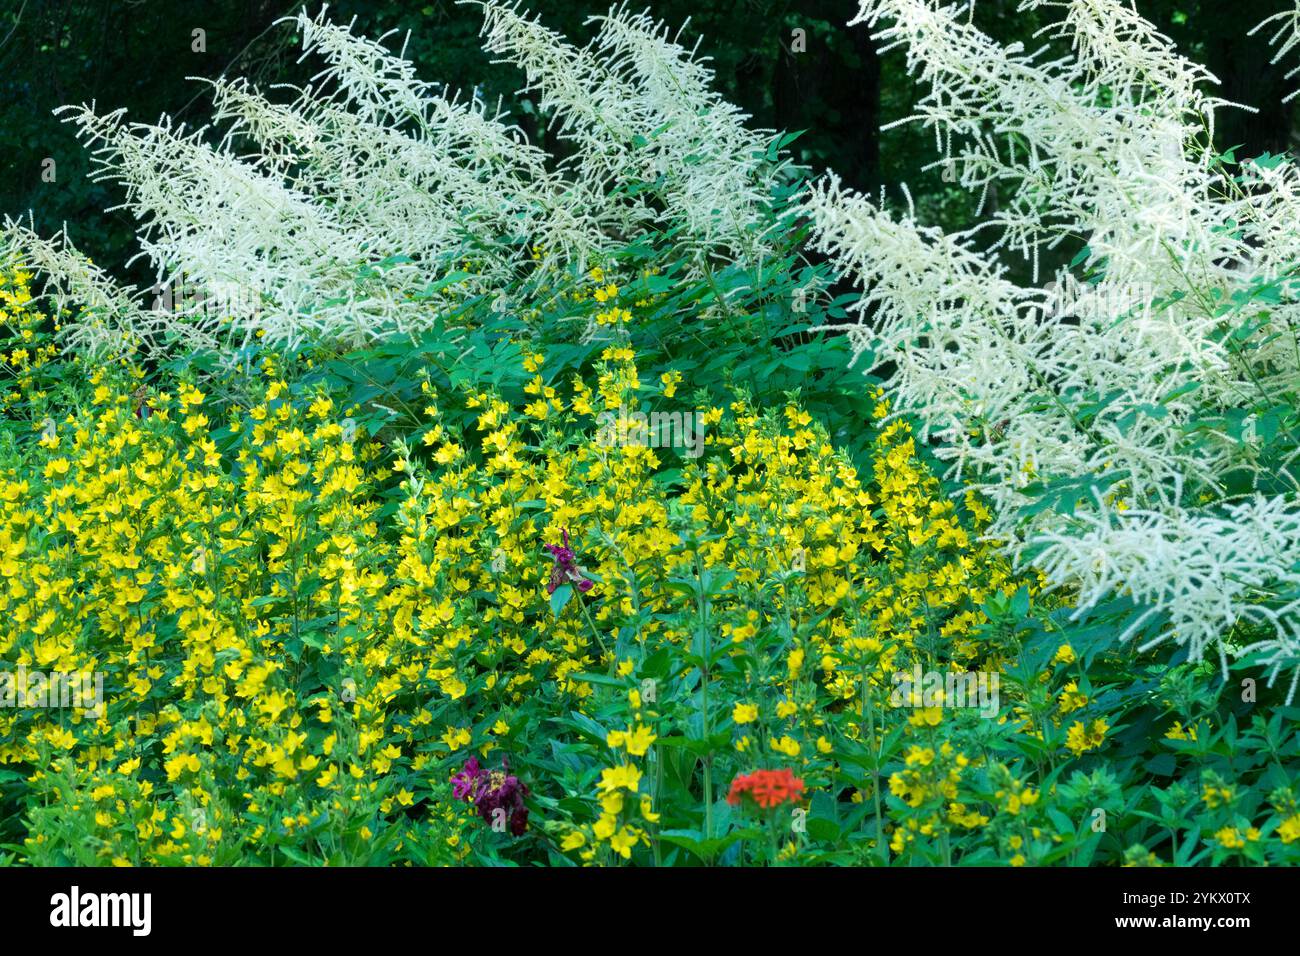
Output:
x=566 y=567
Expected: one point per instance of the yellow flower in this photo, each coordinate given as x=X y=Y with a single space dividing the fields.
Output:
x=636 y=741
x=646 y=811
x=622 y=842
x=1071 y=698
x=625 y=777
x=1079 y=739
x=795 y=662
x=785 y=745
x=455 y=738
x=605 y=826
x=1230 y=838
x=639 y=741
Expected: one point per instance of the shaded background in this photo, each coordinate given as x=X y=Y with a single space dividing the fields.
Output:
x=137 y=53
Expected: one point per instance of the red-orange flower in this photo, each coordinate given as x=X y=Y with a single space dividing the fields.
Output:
x=767 y=788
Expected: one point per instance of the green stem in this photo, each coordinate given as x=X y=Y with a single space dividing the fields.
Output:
x=604 y=651
x=702 y=611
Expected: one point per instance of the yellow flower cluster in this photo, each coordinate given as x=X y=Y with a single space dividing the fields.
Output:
x=26 y=348
x=300 y=637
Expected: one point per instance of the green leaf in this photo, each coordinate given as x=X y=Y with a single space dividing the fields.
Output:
x=707 y=849
x=560 y=597
x=603 y=679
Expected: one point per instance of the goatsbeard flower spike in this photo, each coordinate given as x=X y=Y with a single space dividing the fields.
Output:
x=1106 y=142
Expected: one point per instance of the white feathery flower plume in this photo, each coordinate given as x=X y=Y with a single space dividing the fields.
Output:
x=285 y=264
x=368 y=187
x=1286 y=36
x=101 y=318
x=1113 y=389
x=639 y=107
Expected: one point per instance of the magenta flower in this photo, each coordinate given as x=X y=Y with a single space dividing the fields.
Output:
x=464 y=783
x=492 y=791
x=566 y=568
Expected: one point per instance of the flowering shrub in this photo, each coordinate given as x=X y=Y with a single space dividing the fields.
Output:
x=511 y=520
x=369 y=182
x=313 y=649
x=1133 y=423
